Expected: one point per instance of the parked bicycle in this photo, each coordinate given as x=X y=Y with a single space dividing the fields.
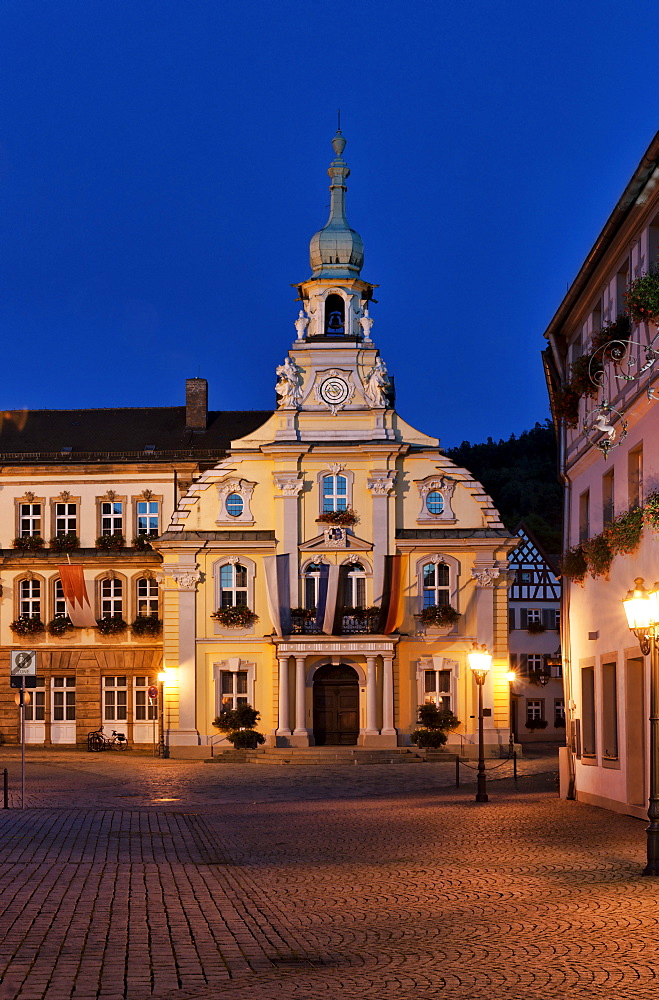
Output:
x=97 y=741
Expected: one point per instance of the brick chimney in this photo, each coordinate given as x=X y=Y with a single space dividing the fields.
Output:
x=196 y=404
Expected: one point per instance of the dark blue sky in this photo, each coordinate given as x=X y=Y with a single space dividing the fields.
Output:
x=163 y=167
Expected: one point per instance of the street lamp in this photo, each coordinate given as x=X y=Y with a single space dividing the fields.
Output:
x=480 y=662
x=642 y=610
x=162 y=677
x=511 y=677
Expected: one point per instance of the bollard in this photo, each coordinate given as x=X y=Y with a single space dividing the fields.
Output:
x=515 y=765
x=457 y=770
x=5 y=788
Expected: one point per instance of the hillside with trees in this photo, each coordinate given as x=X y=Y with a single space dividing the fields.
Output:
x=520 y=475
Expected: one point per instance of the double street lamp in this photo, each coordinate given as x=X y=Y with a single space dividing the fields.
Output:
x=480 y=661
x=642 y=610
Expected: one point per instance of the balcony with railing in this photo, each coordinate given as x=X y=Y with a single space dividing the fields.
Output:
x=352 y=621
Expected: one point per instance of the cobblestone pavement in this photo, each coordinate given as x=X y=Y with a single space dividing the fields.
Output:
x=130 y=878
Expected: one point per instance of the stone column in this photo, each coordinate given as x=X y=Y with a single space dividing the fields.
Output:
x=283 y=729
x=300 y=733
x=371 y=698
x=380 y=484
x=185 y=733
x=290 y=486
x=388 y=696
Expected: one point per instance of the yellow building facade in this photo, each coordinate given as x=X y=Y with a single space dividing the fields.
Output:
x=338 y=511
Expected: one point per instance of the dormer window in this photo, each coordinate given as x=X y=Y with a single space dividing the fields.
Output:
x=335 y=316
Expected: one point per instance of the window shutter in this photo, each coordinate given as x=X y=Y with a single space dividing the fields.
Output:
x=513 y=660
x=548 y=618
x=523 y=617
x=523 y=666
x=511 y=619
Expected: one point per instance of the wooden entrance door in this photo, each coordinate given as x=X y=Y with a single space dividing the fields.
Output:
x=336 y=706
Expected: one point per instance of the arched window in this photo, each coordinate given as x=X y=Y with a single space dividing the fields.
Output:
x=30 y=599
x=311 y=578
x=234 y=505
x=112 y=598
x=147 y=597
x=335 y=493
x=435 y=584
x=435 y=502
x=233 y=586
x=335 y=315
x=355 y=587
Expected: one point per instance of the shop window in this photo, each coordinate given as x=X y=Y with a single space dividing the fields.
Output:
x=115 y=699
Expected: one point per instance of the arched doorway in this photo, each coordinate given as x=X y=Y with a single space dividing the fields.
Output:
x=336 y=706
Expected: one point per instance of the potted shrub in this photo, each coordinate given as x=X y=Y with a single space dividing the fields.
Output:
x=642 y=296
x=29 y=543
x=438 y=616
x=238 y=725
x=239 y=616
x=436 y=724
x=536 y=723
x=111 y=625
x=60 y=625
x=65 y=543
x=27 y=625
x=143 y=543
x=146 y=625
x=345 y=517
x=110 y=543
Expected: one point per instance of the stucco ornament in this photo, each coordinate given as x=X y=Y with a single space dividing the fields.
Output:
x=288 y=385
x=301 y=324
x=381 y=486
x=377 y=384
x=186 y=580
x=486 y=575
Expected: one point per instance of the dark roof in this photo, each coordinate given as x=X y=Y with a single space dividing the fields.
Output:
x=120 y=434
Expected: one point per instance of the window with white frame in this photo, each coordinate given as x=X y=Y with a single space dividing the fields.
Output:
x=233 y=689
x=437 y=688
x=59 y=604
x=64 y=699
x=559 y=712
x=436 y=579
x=434 y=502
x=29 y=523
x=534 y=616
x=29 y=605
x=335 y=493
x=147 y=597
x=533 y=710
x=112 y=517
x=311 y=582
x=112 y=598
x=233 y=586
x=234 y=504
x=147 y=517
x=66 y=519
x=354 y=595
x=115 y=699
x=534 y=663
x=146 y=710
x=557 y=618
x=36 y=710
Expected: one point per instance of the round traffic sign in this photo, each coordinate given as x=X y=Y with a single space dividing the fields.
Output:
x=153 y=693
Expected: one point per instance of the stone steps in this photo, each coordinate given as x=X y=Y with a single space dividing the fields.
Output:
x=314 y=756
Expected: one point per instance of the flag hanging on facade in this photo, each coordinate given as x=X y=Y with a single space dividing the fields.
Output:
x=278 y=588
x=393 y=597
x=77 y=603
x=328 y=592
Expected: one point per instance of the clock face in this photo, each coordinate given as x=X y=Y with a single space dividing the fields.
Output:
x=334 y=391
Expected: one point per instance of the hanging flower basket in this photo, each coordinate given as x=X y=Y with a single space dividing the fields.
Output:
x=573 y=564
x=438 y=616
x=344 y=517
x=111 y=625
x=29 y=543
x=642 y=296
x=27 y=625
x=146 y=625
x=60 y=625
x=237 y=617
x=598 y=554
x=110 y=543
x=624 y=533
x=535 y=628
x=65 y=543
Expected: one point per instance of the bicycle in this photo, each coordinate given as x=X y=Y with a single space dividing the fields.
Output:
x=97 y=741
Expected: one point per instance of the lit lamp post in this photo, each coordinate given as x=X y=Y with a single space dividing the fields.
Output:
x=162 y=677
x=480 y=662
x=511 y=677
x=642 y=610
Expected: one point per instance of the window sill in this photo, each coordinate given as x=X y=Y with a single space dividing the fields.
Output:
x=590 y=760
x=612 y=763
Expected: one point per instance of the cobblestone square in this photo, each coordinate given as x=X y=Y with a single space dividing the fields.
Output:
x=128 y=877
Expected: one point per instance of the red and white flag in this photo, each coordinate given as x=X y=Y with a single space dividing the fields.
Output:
x=78 y=607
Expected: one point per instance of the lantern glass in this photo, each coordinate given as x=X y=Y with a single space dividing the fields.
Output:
x=480 y=660
x=638 y=606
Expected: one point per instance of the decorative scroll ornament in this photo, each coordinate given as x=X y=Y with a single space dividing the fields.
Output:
x=626 y=365
x=64 y=495
x=486 y=576
x=187 y=580
x=600 y=431
x=381 y=485
x=334 y=388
